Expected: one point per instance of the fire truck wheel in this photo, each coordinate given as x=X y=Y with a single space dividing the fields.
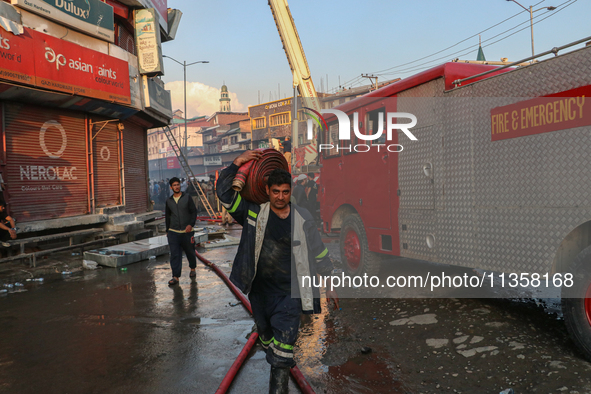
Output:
x=355 y=254
x=576 y=302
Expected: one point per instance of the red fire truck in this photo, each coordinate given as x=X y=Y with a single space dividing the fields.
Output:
x=499 y=177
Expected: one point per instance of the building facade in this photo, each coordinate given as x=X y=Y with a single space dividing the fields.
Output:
x=77 y=96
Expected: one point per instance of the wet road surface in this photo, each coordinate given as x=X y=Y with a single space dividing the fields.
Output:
x=114 y=331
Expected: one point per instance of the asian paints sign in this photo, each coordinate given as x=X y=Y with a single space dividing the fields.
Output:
x=45 y=61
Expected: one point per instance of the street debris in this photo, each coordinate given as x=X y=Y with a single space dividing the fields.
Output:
x=89 y=264
x=218 y=243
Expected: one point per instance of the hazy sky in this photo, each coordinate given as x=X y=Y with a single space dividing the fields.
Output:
x=345 y=38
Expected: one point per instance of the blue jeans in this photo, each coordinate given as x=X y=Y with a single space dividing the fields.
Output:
x=178 y=243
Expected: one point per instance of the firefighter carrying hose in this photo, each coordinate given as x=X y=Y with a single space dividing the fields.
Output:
x=266 y=267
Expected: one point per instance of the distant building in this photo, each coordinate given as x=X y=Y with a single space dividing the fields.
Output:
x=271 y=121
x=225 y=100
x=158 y=145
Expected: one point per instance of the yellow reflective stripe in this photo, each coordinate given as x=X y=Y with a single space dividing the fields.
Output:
x=282 y=345
x=251 y=213
x=236 y=203
x=324 y=253
x=266 y=342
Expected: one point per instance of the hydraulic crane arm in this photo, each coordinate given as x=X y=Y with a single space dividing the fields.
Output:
x=297 y=61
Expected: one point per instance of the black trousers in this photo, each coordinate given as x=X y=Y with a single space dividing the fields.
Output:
x=278 y=321
x=178 y=243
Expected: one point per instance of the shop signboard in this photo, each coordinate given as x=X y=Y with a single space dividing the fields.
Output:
x=41 y=60
x=172 y=162
x=92 y=17
x=147 y=37
x=157 y=98
x=161 y=7
x=212 y=160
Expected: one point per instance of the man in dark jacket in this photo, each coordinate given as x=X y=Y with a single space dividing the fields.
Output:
x=181 y=215
x=267 y=267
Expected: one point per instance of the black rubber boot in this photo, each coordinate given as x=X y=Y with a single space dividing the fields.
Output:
x=279 y=381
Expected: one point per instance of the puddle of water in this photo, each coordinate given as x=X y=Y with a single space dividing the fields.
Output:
x=363 y=374
x=200 y=321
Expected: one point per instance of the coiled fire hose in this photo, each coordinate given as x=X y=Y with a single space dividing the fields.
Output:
x=227 y=381
x=251 y=177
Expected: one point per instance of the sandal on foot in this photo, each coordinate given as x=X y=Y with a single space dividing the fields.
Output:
x=173 y=281
x=192 y=274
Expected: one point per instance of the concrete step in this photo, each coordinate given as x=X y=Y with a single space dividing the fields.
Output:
x=61 y=223
x=114 y=209
x=136 y=235
x=143 y=217
x=124 y=254
x=119 y=218
x=140 y=234
x=124 y=227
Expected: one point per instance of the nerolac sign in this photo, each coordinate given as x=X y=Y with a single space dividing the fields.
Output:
x=92 y=17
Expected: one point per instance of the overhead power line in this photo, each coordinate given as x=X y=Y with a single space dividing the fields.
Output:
x=468 y=50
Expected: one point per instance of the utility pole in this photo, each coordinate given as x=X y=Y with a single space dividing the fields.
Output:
x=371 y=78
x=185 y=65
x=531 y=21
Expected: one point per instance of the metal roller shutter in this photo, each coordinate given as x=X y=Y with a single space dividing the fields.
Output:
x=135 y=148
x=106 y=164
x=46 y=170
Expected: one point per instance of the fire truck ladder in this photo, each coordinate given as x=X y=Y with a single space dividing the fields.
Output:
x=190 y=176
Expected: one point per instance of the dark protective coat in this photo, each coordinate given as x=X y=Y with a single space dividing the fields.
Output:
x=310 y=254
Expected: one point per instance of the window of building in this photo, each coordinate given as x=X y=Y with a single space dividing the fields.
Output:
x=234 y=139
x=302 y=116
x=280 y=119
x=259 y=123
x=124 y=37
x=162 y=145
x=225 y=141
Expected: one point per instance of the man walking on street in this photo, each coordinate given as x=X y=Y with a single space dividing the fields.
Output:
x=287 y=150
x=181 y=215
x=267 y=269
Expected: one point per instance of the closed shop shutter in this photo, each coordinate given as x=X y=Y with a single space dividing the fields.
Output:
x=106 y=169
x=135 y=145
x=46 y=171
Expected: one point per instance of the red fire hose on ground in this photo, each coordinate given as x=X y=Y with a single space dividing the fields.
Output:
x=227 y=381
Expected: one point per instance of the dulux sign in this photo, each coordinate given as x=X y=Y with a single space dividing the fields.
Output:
x=92 y=17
